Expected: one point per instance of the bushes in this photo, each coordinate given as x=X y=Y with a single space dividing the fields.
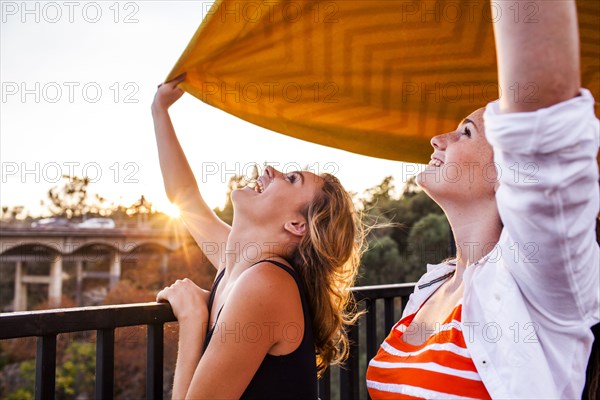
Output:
x=74 y=374
x=414 y=232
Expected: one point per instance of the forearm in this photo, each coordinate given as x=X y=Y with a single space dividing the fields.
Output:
x=191 y=342
x=538 y=55
x=180 y=184
x=177 y=174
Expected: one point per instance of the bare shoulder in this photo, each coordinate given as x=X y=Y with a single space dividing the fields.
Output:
x=268 y=279
x=267 y=296
x=267 y=292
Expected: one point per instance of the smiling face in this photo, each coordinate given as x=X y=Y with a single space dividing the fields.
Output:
x=278 y=201
x=461 y=167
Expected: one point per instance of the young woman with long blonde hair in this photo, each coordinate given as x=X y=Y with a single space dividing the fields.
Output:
x=280 y=297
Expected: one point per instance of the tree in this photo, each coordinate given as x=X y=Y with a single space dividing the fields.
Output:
x=392 y=256
x=428 y=241
x=18 y=211
x=380 y=262
x=74 y=373
x=71 y=200
x=141 y=209
x=379 y=196
x=75 y=376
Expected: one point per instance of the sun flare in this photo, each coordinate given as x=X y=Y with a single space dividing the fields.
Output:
x=172 y=211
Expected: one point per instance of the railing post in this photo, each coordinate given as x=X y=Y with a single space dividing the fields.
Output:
x=325 y=385
x=105 y=363
x=371 y=307
x=45 y=367
x=154 y=359
x=349 y=372
x=388 y=312
x=404 y=302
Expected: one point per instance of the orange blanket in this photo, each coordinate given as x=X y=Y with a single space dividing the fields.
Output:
x=375 y=77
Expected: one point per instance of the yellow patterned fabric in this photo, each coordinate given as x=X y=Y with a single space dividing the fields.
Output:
x=375 y=77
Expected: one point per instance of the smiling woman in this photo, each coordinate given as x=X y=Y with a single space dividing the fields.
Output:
x=509 y=317
x=280 y=297
x=461 y=163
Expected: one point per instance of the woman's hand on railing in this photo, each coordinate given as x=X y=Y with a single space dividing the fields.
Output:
x=189 y=304
x=188 y=300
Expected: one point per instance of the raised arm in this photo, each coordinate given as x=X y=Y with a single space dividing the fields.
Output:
x=180 y=184
x=538 y=53
x=545 y=152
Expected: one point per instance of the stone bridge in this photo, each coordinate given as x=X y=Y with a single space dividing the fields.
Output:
x=55 y=245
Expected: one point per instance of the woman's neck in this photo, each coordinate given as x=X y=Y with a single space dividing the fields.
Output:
x=245 y=247
x=476 y=230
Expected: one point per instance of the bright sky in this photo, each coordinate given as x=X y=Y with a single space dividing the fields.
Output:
x=77 y=82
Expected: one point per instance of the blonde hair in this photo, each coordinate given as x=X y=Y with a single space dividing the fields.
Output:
x=327 y=259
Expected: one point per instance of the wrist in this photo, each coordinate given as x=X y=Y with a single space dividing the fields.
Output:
x=158 y=109
x=193 y=320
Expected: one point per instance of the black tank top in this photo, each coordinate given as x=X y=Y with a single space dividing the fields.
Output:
x=290 y=376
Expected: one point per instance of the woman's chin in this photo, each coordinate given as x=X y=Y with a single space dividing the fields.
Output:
x=243 y=192
x=237 y=195
x=428 y=178
x=419 y=179
x=244 y=198
x=429 y=181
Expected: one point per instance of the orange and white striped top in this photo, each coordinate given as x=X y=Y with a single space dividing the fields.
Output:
x=439 y=368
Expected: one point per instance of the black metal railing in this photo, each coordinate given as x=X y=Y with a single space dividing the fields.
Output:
x=47 y=324
x=344 y=383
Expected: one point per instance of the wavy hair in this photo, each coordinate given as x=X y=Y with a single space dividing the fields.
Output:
x=328 y=258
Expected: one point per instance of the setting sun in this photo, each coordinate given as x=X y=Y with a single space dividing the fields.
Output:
x=172 y=211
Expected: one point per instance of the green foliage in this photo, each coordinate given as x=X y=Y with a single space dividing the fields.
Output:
x=74 y=376
x=382 y=262
x=27 y=372
x=379 y=196
x=428 y=242
x=20 y=394
x=27 y=382
x=3 y=357
x=410 y=231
